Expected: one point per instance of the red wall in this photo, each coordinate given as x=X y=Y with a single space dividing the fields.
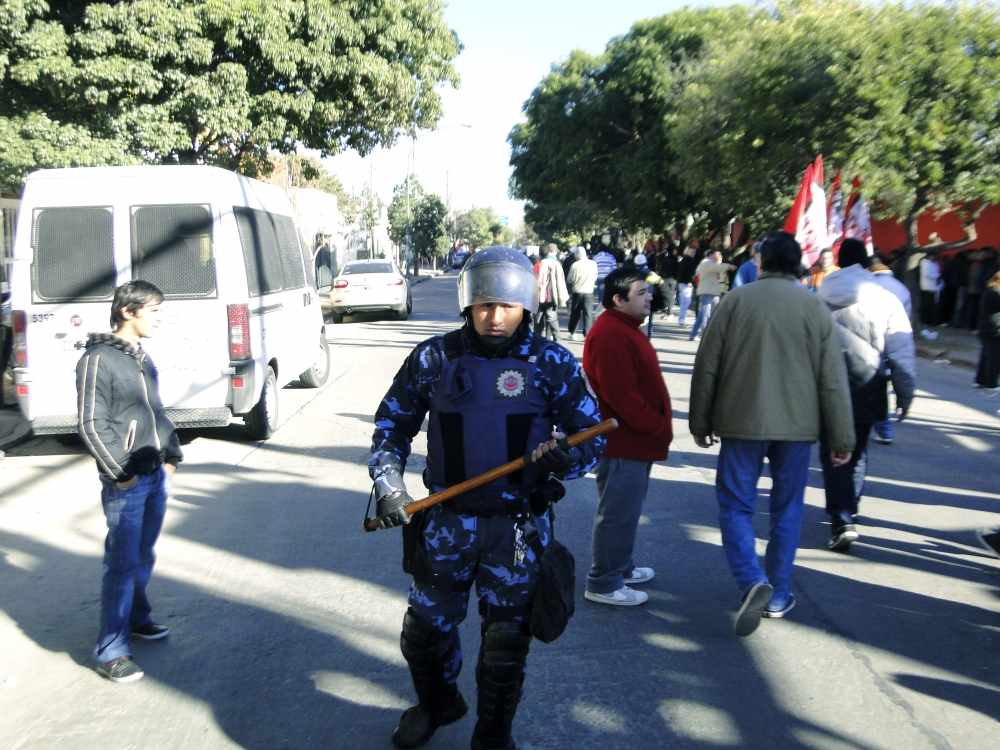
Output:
x=887 y=234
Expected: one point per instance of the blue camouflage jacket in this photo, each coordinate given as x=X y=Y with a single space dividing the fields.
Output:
x=401 y=413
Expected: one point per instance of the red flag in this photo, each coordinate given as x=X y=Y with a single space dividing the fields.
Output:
x=835 y=217
x=794 y=221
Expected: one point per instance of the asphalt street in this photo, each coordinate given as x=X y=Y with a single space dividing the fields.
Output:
x=285 y=616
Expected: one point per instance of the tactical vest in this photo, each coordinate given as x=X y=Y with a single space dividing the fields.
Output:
x=484 y=413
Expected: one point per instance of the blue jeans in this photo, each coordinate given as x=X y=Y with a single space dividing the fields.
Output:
x=885 y=430
x=706 y=302
x=135 y=517
x=683 y=302
x=740 y=466
x=621 y=487
x=844 y=484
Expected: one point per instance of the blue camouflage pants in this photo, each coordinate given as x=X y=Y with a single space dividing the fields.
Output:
x=467 y=549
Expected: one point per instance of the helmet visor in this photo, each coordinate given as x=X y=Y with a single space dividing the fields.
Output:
x=498 y=282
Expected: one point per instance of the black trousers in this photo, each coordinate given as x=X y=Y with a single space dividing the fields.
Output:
x=988 y=374
x=669 y=295
x=581 y=309
x=928 y=308
x=844 y=484
x=547 y=320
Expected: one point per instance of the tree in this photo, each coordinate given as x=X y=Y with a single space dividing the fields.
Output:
x=429 y=236
x=213 y=81
x=473 y=226
x=369 y=215
x=406 y=196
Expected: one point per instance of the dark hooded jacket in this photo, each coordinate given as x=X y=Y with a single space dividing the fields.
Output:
x=120 y=416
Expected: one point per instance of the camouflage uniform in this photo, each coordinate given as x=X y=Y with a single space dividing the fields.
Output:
x=478 y=538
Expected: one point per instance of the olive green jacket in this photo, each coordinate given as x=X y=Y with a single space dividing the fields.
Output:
x=770 y=367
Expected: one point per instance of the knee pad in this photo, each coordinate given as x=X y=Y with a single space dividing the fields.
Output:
x=505 y=651
x=417 y=634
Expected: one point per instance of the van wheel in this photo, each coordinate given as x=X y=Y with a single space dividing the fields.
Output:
x=337 y=317
x=316 y=375
x=262 y=419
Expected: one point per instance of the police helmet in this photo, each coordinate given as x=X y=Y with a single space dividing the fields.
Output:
x=498 y=274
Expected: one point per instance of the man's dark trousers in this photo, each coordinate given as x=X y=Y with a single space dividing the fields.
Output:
x=845 y=484
x=582 y=310
x=547 y=320
x=669 y=295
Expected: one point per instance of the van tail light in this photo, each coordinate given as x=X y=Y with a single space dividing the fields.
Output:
x=340 y=284
x=239 y=332
x=397 y=282
x=22 y=390
x=20 y=339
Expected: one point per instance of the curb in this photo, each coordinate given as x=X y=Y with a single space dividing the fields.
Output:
x=958 y=360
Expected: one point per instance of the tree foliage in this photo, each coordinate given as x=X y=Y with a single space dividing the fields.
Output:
x=476 y=225
x=417 y=217
x=714 y=113
x=214 y=81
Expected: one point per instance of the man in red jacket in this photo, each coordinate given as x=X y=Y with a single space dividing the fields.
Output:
x=624 y=372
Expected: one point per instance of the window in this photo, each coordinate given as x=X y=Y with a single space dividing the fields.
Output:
x=373 y=267
x=73 y=254
x=259 y=238
x=172 y=248
x=291 y=255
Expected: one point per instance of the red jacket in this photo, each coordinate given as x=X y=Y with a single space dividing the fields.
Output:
x=624 y=372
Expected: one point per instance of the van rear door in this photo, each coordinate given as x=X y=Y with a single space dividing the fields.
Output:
x=72 y=282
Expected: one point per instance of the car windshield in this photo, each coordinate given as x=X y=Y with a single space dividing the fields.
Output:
x=367 y=268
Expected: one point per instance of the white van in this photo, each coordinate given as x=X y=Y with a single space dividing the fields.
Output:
x=241 y=314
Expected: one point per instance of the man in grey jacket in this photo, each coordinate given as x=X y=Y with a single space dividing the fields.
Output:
x=124 y=426
x=581 y=279
x=877 y=341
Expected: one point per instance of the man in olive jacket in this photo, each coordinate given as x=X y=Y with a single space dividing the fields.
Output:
x=768 y=374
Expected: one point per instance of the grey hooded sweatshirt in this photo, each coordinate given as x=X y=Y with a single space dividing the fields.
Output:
x=876 y=339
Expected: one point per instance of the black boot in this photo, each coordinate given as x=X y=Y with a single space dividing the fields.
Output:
x=439 y=702
x=500 y=674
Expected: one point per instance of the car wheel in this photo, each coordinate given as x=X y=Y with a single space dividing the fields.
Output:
x=316 y=375
x=337 y=317
x=262 y=420
x=403 y=314
x=409 y=302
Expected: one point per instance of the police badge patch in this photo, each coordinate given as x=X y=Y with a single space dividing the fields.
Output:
x=510 y=384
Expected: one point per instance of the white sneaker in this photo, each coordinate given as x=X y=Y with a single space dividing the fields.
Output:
x=575 y=337
x=640 y=575
x=623 y=597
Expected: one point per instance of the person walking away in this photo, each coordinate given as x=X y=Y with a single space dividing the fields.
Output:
x=605 y=264
x=581 y=280
x=979 y=272
x=749 y=271
x=624 y=371
x=667 y=267
x=711 y=272
x=552 y=292
x=960 y=274
x=511 y=386
x=883 y=430
x=988 y=372
x=768 y=374
x=877 y=343
x=824 y=267
x=686 y=270
x=124 y=427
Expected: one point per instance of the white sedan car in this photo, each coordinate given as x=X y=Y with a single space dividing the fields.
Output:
x=370 y=286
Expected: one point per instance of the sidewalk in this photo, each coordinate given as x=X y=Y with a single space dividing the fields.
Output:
x=958 y=346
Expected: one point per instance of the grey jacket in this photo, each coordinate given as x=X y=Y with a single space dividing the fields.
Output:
x=876 y=339
x=121 y=417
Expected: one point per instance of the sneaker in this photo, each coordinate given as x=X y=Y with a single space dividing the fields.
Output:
x=990 y=540
x=122 y=669
x=640 y=575
x=623 y=597
x=151 y=631
x=756 y=599
x=779 y=613
x=575 y=337
x=842 y=537
x=882 y=440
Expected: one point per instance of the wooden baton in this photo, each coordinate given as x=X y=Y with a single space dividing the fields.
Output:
x=607 y=425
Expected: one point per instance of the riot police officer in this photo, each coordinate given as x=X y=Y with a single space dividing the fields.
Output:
x=494 y=391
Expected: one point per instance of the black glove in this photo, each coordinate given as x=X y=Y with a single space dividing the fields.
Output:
x=556 y=460
x=389 y=510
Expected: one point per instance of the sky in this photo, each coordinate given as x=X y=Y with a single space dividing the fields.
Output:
x=509 y=47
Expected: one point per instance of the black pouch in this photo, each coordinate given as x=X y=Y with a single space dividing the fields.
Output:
x=550 y=493
x=555 y=597
x=414 y=558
